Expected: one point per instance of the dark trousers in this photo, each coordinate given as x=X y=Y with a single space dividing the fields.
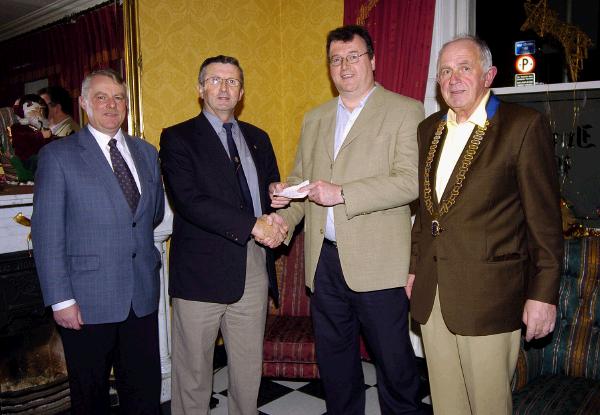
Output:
x=131 y=346
x=339 y=316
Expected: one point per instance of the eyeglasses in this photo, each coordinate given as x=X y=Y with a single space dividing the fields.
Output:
x=351 y=58
x=217 y=80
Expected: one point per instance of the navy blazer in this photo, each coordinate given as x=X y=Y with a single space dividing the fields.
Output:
x=88 y=245
x=210 y=230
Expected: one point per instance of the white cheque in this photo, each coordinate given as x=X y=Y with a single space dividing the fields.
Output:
x=292 y=191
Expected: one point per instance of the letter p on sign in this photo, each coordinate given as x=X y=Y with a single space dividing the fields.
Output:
x=525 y=64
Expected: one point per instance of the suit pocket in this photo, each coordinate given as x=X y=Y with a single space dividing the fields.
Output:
x=506 y=257
x=84 y=262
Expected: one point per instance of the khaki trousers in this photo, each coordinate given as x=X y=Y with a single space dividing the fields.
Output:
x=469 y=374
x=195 y=328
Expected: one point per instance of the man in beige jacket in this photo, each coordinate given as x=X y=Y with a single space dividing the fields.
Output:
x=359 y=152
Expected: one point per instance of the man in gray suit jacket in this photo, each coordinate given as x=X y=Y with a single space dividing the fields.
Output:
x=98 y=196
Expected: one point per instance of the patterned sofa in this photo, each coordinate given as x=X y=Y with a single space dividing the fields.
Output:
x=561 y=374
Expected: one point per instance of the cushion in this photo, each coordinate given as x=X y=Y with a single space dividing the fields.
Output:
x=573 y=349
x=289 y=349
x=558 y=395
x=289 y=339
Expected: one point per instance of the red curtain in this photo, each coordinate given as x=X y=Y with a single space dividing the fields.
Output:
x=63 y=52
x=401 y=32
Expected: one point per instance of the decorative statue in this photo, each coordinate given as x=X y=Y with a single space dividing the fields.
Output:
x=28 y=135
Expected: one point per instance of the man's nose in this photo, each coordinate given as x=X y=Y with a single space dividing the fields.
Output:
x=455 y=77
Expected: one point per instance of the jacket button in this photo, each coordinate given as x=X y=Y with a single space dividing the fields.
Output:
x=133 y=224
x=133 y=255
x=434 y=258
x=322 y=231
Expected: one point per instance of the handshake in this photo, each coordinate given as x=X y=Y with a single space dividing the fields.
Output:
x=270 y=230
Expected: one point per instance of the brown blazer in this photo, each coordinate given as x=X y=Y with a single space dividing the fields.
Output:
x=502 y=240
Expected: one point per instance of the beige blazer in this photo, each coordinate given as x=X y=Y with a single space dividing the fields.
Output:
x=377 y=167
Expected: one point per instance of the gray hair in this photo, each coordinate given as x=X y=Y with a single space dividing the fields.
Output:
x=485 y=55
x=219 y=59
x=110 y=73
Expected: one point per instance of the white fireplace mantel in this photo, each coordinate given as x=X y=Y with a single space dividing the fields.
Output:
x=14 y=237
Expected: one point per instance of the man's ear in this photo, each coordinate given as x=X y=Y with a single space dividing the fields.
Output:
x=489 y=76
x=200 y=90
x=82 y=103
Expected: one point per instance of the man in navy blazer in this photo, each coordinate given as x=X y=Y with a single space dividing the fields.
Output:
x=98 y=196
x=217 y=170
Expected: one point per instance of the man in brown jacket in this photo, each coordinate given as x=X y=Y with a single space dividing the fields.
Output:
x=487 y=242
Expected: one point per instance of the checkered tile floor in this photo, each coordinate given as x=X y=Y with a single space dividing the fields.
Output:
x=282 y=397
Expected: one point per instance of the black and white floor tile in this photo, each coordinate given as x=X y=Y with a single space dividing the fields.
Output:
x=284 y=397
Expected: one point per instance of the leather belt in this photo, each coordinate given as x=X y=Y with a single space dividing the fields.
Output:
x=330 y=243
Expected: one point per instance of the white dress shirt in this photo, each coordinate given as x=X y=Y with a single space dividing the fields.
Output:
x=102 y=140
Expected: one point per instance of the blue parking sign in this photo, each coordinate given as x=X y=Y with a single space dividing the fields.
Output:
x=525 y=47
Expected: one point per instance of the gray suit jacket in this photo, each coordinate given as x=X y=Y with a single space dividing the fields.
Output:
x=87 y=243
x=377 y=167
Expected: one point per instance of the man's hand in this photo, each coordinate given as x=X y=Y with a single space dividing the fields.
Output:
x=539 y=318
x=270 y=230
x=46 y=132
x=278 y=202
x=409 y=285
x=324 y=193
x=69 y=318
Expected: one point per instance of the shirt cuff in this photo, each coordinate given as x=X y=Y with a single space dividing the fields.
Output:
x=63 y=304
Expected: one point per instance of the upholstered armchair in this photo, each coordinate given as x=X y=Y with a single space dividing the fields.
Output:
x=289 y=346
x=561 y=374
x=289 y=349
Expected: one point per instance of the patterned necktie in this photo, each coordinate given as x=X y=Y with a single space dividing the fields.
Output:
x=124 y=176
x=239 y=171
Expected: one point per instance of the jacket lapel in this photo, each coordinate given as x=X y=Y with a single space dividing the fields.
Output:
x=369 y=116
x=144 y=175
x=210 y=143
x=436 y=160
x=93 y=156
x=489 y=135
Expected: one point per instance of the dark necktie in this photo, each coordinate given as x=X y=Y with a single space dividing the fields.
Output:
x=239 y=171
x=124 y=176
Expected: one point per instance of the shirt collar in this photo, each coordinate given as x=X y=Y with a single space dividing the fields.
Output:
x=361 y=103
x=103 y=139
x=478 y=117
x=216 y=122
